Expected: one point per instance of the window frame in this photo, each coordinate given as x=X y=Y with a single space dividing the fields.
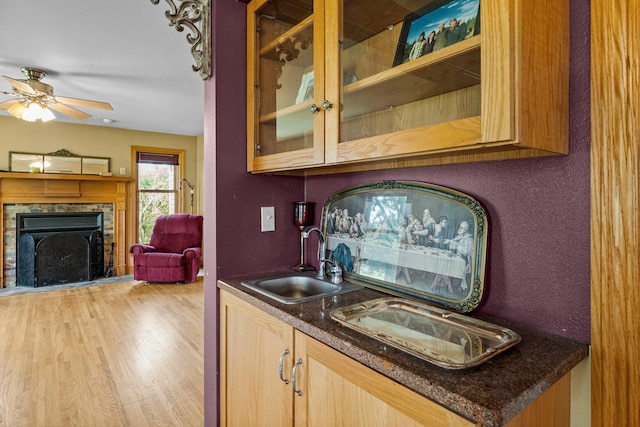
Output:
x=179 y=201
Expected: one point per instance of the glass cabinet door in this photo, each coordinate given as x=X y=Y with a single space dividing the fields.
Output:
x=407 y=69
x=283 y=127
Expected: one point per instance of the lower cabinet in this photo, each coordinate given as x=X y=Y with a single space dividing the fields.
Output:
x=274 y=375
x=338 y=391
x=252 y=346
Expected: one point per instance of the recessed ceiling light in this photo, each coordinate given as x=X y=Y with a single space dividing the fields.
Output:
x=108 y=121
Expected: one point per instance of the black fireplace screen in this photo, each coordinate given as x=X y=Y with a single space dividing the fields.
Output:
x=54 y=248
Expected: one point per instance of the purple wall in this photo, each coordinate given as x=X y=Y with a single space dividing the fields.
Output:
x=538 y=265
x=233 y=243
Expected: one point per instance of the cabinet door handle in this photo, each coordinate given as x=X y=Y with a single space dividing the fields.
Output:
x=293 y=378
x=326 y=105
x=280 y=368
x=314 y=108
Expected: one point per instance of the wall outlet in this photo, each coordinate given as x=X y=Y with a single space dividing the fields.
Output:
x=267 y=218
x=123 y=171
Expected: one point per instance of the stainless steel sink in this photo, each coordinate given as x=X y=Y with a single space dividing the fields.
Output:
x=297 y=288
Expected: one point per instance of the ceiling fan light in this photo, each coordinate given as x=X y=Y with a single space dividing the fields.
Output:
x=33 y=112
x=37 y=111
x=17 y=110
x=47 y=115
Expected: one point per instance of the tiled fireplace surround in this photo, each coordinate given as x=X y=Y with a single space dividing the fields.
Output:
x=27 y=193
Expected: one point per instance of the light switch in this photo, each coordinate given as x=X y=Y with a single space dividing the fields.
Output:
x=267 y=218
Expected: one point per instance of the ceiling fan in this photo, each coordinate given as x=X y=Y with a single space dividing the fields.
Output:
x=34 y=98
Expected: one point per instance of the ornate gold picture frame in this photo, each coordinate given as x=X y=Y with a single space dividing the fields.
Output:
x=410 y=239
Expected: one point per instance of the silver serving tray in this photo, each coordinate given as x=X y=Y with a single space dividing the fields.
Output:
x=441 y=337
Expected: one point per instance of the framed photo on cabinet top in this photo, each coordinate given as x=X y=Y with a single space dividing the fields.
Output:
x=440 y=24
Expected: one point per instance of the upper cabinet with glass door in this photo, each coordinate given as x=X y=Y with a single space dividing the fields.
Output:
x=407 y=83
x=285 y=44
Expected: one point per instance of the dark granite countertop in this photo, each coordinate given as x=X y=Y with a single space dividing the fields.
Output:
x=492 y=393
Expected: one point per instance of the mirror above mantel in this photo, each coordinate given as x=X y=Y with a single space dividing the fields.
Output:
x=59 y=162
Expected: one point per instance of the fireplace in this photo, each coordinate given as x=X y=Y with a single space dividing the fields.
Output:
x=43 y=192
x=59 y=247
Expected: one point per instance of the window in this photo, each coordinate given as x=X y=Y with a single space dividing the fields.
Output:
x=157 y=189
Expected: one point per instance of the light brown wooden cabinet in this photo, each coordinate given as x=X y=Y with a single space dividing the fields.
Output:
x=258 y=356
x=502 y=93
x=331 y=389
x=251 y=345
x=338 y=391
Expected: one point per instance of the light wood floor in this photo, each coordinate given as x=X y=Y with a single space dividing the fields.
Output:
x=119 y=354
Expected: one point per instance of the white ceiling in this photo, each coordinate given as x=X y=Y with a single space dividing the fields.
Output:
x=119 y=51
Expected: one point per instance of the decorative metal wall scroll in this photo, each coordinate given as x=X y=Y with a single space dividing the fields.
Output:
x=196 y=16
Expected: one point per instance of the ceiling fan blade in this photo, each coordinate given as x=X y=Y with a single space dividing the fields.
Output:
x=7 y=104
x=22 y=86
x=84 y=103
x=69 y=111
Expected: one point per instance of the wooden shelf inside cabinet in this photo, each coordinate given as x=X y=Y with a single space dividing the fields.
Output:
x=293 y=121
x=301 y=35
x=374 y=17
x=453 y=68
x=449 y=69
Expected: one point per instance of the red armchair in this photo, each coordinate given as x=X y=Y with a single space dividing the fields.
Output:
x=174 y=252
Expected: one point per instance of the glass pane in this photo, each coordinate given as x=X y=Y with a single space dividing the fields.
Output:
x=156 y=176
x=156 y=195
x=21 y=162
x=59 y=164
x=94 y=166
x=151 y=206
x=285 y=77
x=408 y=67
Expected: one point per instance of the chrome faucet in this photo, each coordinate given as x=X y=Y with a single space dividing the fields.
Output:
x=335 y=271
x=322 y=249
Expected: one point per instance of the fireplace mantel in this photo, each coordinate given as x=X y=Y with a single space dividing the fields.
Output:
x=14 y=184
x=25 y=188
